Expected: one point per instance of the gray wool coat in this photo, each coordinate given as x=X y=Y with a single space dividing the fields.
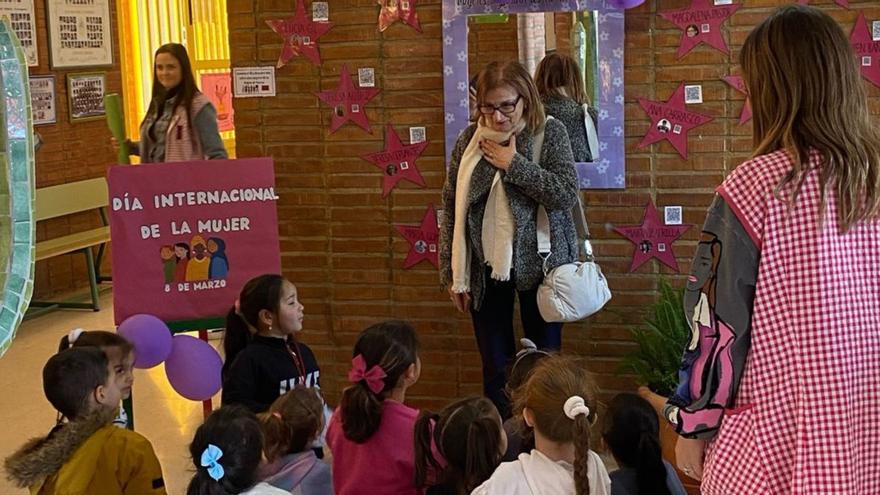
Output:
x=572 y=115
x=552 y=183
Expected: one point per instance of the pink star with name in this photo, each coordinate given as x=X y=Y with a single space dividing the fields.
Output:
x=737 y=83
x=397 y=161
x=348 y=102
x=423 y=239
x=671 y=120
x=867 y=50
x=398 y=10
x=300 y=34
x=700 y=23
x=652 y=239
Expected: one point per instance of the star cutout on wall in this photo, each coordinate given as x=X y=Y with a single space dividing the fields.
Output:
x=398 y=10
x=671 y=120
x=700 y=23
x=737 y=83
x=867 y=50
x=348 y=102
x=397 y=161
x=652 y=239
x=423 y=239
x=300 y=34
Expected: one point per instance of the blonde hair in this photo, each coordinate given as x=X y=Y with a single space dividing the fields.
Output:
x=551 y=383
x=516 y=76
x=806 y=92
x=559 y=74
x=292 y=421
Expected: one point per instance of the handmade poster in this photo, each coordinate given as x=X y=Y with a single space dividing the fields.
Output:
x=867 y=50
x=300 y=34
x=188 y=235
x=671 y=120
x=404 y=11
x=79 y=33
x=43 y=99
x=737 y=83
x=423 y=239
x=254 y=82
x=701 y=23
x=218 y=89
x=21 y=17
x=348 y=102
x=85 y=94
x=397 y=161
x=652 y=239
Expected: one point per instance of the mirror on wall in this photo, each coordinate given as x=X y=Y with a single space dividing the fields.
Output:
x=477 y=32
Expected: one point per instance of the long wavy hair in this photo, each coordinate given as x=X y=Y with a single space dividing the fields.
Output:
x=185 y=91
x=806 y=92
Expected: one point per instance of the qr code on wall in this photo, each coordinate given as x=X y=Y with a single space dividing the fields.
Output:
x=875 y=30
x=366 y=77
x=693 y=94
x=416 y=135
x=320 y=11
x=673 y=215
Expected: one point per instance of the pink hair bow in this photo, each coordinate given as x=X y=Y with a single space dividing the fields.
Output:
x=373 y=377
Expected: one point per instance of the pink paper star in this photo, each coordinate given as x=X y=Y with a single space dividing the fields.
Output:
x=300 y=34
x=867 y=49
x=700 y=23
x=842 y=3
x=423 y=239
x=397 y=161
x=671 y=121
x=652 y=239
x=737 y=83
x=398 y=10
x=348 y=102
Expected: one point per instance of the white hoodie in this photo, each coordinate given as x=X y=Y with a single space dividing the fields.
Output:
x=535 y=474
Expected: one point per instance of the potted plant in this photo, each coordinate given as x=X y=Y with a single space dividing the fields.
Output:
x=657 y=358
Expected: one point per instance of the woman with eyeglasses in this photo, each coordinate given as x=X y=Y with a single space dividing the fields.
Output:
x=488 y=245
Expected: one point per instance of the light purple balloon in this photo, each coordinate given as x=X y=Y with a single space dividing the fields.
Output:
x=151 y=339
x=193 y=368
x=626 y=4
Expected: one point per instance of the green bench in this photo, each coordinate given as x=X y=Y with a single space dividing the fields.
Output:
x=67 y=199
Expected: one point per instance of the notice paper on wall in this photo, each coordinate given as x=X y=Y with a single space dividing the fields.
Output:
x=253 y=82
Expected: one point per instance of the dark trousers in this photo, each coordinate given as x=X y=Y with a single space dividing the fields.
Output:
x=493 y=327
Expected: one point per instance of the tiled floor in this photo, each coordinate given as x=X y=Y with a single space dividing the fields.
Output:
x=164 y=417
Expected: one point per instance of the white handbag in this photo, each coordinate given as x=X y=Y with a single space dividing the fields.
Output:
x=572 y=291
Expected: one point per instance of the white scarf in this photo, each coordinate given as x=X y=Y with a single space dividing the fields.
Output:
x=498 y=222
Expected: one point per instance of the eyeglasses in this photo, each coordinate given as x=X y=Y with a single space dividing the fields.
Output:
x=506 y=108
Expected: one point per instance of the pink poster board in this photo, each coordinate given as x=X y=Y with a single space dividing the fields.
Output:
x=187 y=236
x=218 y=89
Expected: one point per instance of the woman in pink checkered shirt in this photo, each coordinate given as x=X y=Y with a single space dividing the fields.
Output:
x=780 y=383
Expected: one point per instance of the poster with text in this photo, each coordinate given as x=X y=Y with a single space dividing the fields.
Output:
x=188 y=235
x=20 y=14
x=79 y=33
x=218 y=89
x=43 y=99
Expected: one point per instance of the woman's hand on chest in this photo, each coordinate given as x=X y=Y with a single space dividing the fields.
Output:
x=500 y=156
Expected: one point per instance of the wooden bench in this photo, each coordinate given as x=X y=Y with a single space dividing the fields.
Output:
x=67 y=199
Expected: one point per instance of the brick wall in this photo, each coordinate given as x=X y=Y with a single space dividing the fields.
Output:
x=338 y=242
x=71 y=152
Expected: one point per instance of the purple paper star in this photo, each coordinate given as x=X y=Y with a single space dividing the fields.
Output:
x=397 y=161
x=423 y=239
x=700 y=23
x=671 y=120
x=652 y=239
x=348 y=102
x=300 y=34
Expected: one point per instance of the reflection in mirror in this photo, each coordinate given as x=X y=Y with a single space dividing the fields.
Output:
x=583 y=38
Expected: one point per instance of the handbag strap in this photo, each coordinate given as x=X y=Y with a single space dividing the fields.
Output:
x=577 y=213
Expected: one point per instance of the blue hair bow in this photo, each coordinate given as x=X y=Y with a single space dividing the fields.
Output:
x=210 y=458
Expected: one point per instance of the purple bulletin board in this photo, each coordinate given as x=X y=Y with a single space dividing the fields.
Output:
x=609 y=171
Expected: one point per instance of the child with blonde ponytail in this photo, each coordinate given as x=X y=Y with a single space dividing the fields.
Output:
x=558 y=401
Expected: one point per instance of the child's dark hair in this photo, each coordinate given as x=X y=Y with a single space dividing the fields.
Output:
x=551 y=384
x=70 y=377
x=292 y=421
x=467 y=434
x=259 y=293
x=236 y=432
x=95 y=338
x=522 y=365
x=394 y=347
x=631 y=430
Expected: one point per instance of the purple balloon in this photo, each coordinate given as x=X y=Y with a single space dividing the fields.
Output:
x=193 y=368
x=626 y=4
x=151 y=339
